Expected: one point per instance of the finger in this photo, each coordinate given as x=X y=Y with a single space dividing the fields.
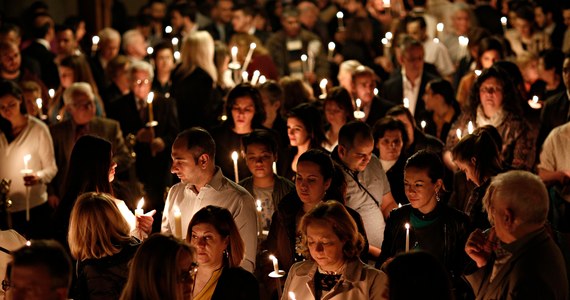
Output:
x=150 y=213
x=492 y=235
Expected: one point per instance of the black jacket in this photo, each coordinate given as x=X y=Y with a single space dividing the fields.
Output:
x=237 y=284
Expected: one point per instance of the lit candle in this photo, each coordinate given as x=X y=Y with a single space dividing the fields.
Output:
x=399 y=205
x=149 y=100
x=477 y=73
x=458 y=133
x=389 y=35
x=470 y=127
x=423 y=124
x=95 y=40
x=275 y=263
x=139 y=210
x=252 y=47
x=504 y=23
x=386 y=3
x=168 y=29
x=234 y=52
x=274 y=168
x=259 y=209
x=149 y=50
x=258 y=205
x=175 y=43
x=463 y=42
x=27 y=159
x=255 y=77
x=436 y=40
x=340 y=16
x=358 y=114
x=323 y=86
x=39 y=104
x=358 y=103
x=235 y=159
x=535 y=102
x=177 y=222
x=439 y=27
x=177 y=56
x=244 y=76
x=304 y=65
x=331 y=49
x=291 y=294
x=51 y=93
x=262 y=79
x=406 y=103
x=407 y=225
x=375 y=91
x=27 y=172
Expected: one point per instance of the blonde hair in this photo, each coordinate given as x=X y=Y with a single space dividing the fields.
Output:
x=244 y=40
x=198 y=51
x=96 y=227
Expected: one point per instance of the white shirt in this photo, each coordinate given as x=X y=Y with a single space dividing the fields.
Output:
x=221 y=192
x=437 y=54
x=411 y=90
x=554 y=155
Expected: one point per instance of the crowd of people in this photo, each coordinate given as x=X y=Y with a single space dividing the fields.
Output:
x=273 y=149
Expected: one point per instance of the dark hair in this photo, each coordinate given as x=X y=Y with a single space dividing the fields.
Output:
x=420 y=20
x=224 y=223
x=352 y=130
x=161 y=45
x=246 y=90
x=553 y=59
x=64 y=27
x=186 y=9
x=489 y=44
x=400 y=110
x=272 y=90
x=482 y=146
x=39 y=31
x=199 y=141
x=418 y=275
x=328 y=170
x=361 y=71
x=389 y=123
x=525 y=11
x=311 y=118
x=8 y=27
x=343 y=100
x=49 y=254
x=511 y=96
x=261 y=137
x=442 y=87
x=73 y=23
x=247 y=10
x=10 y=88
x=429 y=161
x=476 y=35
x=290 y=11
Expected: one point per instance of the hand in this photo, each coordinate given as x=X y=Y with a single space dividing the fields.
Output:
x=144 y=222
x=31 y=179
x=53 y=200
x=157 y=146
x=479 y=247
x=145 y=135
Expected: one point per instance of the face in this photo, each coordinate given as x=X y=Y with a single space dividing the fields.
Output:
x=164 y=61
x=539 y=17
x=488 y=58
x=122 y=78
x=82 y=109
x=66 y=43
x=112 y=170
x=30 y=100
x=523 y=27
x=141 y=84
x=566 y=16
x=469 y=169
x=334 y=114
x=431 y=100
x=66 y=76
x=183 y=163
x=364 y=88
x=461 y=22
x=415 y=31
x=209 y=244
x=225 y=11
x=530 y=71
x=391 y=145
x=291 y=26
x=297 y=132
x=10 y=107
x=259 y=159
x=324 y=246
x=186 y=269
x=496 y=213
x=33 y=283
x=491 y=95
x=176 y=20
x=566 y=73
x=308 y=14
x=413 y=62
x=243 y=111
x=358 y=156
x=138 y=47
x=310 y=183
x=241 y=22
x=109 y=48
x=420 y=189
x=10 y=60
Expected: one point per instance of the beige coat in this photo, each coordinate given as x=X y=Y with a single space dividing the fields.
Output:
x=359 y=281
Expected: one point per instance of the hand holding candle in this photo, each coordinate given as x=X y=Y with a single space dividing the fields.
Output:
x=139 y=210
x=340 y=20
x=236 y=171
x=358 y=114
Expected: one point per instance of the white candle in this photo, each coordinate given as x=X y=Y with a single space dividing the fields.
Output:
x=177 y=222
x=274 y=168
x=323 y=86
x=304 y=65
x=177 y=56
x=262 y=79
x=26 y=172
x=252 y=47
x=358 y=114
x=340 y=16
x=406 y=103
x=27 y=159
x=292 y=296
x=463 y=42
x=470 y=127
x=423 y=124
x=244 y=76
x=504 y=23
x=95 y=40
x=458 y=133
x=275 y=263
x=235 y=159
x=149 y=50
x=255 y=77
x=407 y=225
x=139 y=210
x=234 y=52
x=149 y=100
x=331 y=49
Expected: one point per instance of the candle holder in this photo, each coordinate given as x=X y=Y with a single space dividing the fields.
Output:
x=535 y=103
x=151 y=124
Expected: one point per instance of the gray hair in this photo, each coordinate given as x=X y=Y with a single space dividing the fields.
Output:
x=107 y=34
x=76 y=88
x=349 y=66
x=141 y=65
x=129 y=36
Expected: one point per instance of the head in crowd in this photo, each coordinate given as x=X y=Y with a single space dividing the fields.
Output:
x=10 y=60
x=363 y=84
x=163 y=57
x=423 y=180
x=118 y=71
x=290 y=21
x=330 y=222
x=295 y=92
x=197 y=51
x=222 y=12
x=515 y=211
x=439 y=93
x=528 y=66
x=109 y=43
x=244 y=107
x=77 y=25
x=193 y=155
x=141 y=74
x=10 y=33
x=550 y=64
x=12 y=110
x=43 y=27
x=75 y=68
x=490 y=50
x=317 y=180
x=416 y=28
x=260 y=148
x=403 y=114
x=345 y=71
x=243 y=18
x=182 y=14
x=31 y=91
x=96 y=228
x=494 y=91
x=411 y=57
x=79 y=100
x=66 y=40
x=215 y=235
x=221 y=61
x=355 y=145
x=390 y=137
x=461 y=19
x=163 y=268
x=304 y=125
x=272 y=96
x=134 y=44
x=418 y=275
x=338 y=107
x=524 y=21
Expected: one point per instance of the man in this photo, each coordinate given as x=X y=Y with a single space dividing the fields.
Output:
x=108 y=48
x=289 y=44
x=554 y=166
x=80 y=103
x=134 y=45
x=151 y=144
x=202 y=184
x=41 y=270
x=411 y=81
x=368 y=190
x=11 y=68
x=66 y=42
x=363 y=85
x=243 y=21
x=566 y=16
x=221 y=28
x=435 y=53
x=546 y=15
x=517 y=259
x=183 y=19
x=40 y=49
x=309 y=19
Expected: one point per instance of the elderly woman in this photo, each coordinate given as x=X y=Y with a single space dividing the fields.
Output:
x=496 y=102
x=25 y=144
x=220 y=250
x=163 y=268
x=332 y=244
x=99 y=240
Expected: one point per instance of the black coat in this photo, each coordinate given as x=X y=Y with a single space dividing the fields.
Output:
x=45 y=58
x=237 y=284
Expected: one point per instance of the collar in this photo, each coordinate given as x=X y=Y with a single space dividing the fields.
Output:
x=351 y=271
x=415 y=83
x=216 y=182
x=522 y=243
x=44 y=43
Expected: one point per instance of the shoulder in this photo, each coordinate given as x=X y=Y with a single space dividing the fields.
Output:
x=37 y=125
x=302 y=268
x=284 y=182
x=239 y=274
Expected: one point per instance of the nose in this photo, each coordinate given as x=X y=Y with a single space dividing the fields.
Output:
x=173 y=169
x=319 y=247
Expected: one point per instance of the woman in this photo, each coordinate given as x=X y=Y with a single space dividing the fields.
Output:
x=245 y=112
x=461 y=24
x=338 y=111
x=389 y=139
x=433 y=226
x=194 y=82
x=495 y=101
x=478 y=156
x=549 y=74
x=305 y=131
x=72 y=69
x=99 y=240
x=163 y=57
x=22 y=135
x=440 y=101
x=120 y=82
x=295 y=92
x=524 y=37
x=163 y=268
x=331 y=243
x=260 y=59
x=220 y=250
x=91 y=169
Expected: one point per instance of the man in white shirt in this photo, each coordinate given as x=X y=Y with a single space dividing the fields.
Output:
x=203 y=184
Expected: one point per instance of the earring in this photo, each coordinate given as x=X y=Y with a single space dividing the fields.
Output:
x=437 y=196
x=227 y=253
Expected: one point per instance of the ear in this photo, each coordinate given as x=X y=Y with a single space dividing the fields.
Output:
x=341 y=151
x=276 y=104
x=438 y=185
x=328 y=183
x=508 y=218
x=474 y=161
x=203 y=160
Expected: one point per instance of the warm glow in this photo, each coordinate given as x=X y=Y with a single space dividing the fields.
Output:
x=258 y=205
x=51 y=93
x=27 y=158
x=252 y=46
x=389 y=35
x=262 y=79
x=358 y=103
x=407 y=225
x=177 y=212
x=384 y=41
x=406 y=103
x=235 y=156
x=439 y=27
x=375 y=91
x=291 y=294
x=168 y=29
x=150 y=97
x=470 y=127
x=95 y=40
x=175 y=41
x=272 y=257
x=149 y=50
x=504 y=21
x=331 y=46
x=339 y=15
x=234 y=51
x=304 y=57
x=535 y=99
x=463 y=41
x=478 y=73
x=39 y=103
x=423 y=124
x=436 y=40
x=323 y=83
x=177 y=55
x=140 y=204
x=458 y=133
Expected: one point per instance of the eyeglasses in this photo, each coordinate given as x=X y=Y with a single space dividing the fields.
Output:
x=85 y=106
x=188 y=276
x=491 y=89
x=142 y=82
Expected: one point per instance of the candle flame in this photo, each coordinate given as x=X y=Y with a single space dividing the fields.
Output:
x=39 y=103
x=535 y=99
x=331 y=46
x=28 y=243
x=174 y=41
x=27 y=158
x=95 y=39
x=458 y=133
x=407 y=225
x=470 y=127
x=235 y=156
x=386 y=3
x=177 y=212
x=51 y=93
x=234 y=50
x=339 y=15
x=375 y=91
x=406 y=103
x=149 y=50
x=423 y=124
x=292 y=296
x=150 y=98
x=384 y=41
x=252 y=46
x=262 y=79
x=140 y=204
x=463 y=41
x=168 y=29
x=439 y=27
x=478 y=72
x=504 y=21
x=304 y=57
x=177 y=55
x=323 y=83
x=358 y=103
x=436 y=40
x=389 y=35
x=272 y=257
